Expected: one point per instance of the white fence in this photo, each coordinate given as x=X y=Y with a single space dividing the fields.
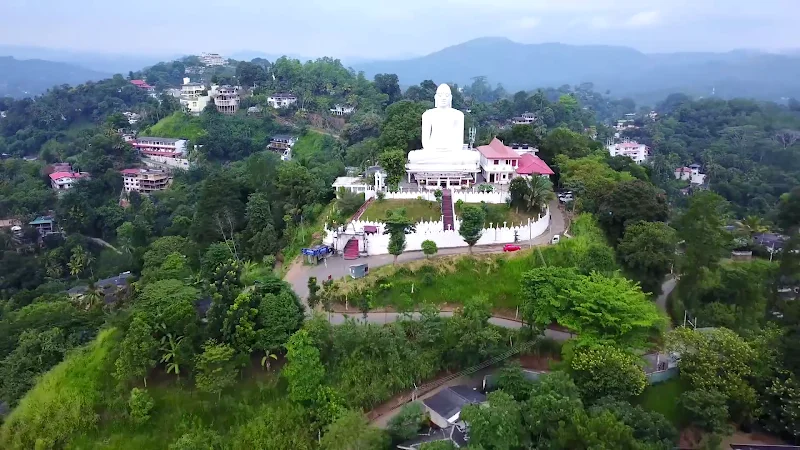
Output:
x=378 y=243
x=467 y=195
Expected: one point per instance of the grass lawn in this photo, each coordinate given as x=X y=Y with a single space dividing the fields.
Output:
x=499 y=213
x=177 y=125
x=309 y=144
x=663 y=398
x=416 y=210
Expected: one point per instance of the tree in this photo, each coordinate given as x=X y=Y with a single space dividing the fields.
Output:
x=751 y=225
x=496 y=426
x=648 y=426
x=389 y=84
x=607 y=308
x=429 y=248
x=216 y=368
x=606 y=371
x=471 y=227
x=705 y=409
x=397 y=225
x=79 y=261
x=393 y=161
x=313 y=293
x=280 y=425
x=630 y=202
x=789 y=209
x=402 y=126
x=512 y=381
x=93 y=297
x=304 y=371
x=139 y=406
x=352 y=431
x=702 y=228
x=554 y=400
x=647 y=251
x=407 y=423
x=137 y=355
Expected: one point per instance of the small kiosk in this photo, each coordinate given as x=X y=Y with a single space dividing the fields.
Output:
x=359 y=270
x=317 y=253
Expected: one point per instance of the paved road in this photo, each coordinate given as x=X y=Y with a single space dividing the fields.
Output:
x=666 y=290
x=337 y=267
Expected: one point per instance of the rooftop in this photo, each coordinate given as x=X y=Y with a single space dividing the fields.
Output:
x=158 y=139
x=530 y=164
x=41 y=220
x=448 y=402
x=497 y=150
x=141 y=84
x=61 y=175
x=282 y=137
x=282 y=95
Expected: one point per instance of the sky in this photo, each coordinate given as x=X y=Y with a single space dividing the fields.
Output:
x=383 y=29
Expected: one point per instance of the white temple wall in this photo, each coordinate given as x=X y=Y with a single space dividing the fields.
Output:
x=468 y=196
x=378 y=244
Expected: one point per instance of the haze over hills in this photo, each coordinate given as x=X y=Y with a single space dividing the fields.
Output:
x=624 y=71
x=24 y=78
x=101 y=62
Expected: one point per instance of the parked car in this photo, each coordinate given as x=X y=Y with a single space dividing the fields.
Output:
x=555 y=239
x=511 y=248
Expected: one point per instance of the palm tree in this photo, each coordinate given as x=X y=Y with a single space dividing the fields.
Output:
x=92 y=297
x=538 y=194
x=751 y=226
x=265 y=363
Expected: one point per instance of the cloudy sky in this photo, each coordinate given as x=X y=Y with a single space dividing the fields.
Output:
x=385 y=29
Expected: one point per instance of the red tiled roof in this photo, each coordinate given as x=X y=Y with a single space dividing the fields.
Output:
x=497 y=150
x=141 y=84
x=60 y=175
x=531 y=164
x=683 y=170
x=130 y=171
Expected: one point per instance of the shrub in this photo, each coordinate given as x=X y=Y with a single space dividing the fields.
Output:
x=381 y=196
x=407 y=423
x=603 y=370
x=139 y=406
x=438 y=194
x=429 y=248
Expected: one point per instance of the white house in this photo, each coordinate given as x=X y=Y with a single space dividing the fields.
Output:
x=282 y=144
x=525 y=119
x=342 y=110
x=166 y=151
x=279 y=101
x=132 y=117
x=499 y=163
x=226 y=99
x=691 y=174
x=212 y=59
x=145 y=180
x=62 y=181
x=632 y=149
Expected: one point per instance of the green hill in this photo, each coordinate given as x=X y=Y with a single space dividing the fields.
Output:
x=178 y=125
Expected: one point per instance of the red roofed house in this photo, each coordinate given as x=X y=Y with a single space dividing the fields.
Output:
x=500 y=163
x=61 y=181
x=141 y=84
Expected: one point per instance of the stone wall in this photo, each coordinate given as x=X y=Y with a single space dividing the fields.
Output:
x=378 y=244
x=466 y=195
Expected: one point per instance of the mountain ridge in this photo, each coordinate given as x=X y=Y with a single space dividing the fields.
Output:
x=28 y=77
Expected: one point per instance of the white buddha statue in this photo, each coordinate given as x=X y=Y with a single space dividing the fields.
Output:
x=443 y=137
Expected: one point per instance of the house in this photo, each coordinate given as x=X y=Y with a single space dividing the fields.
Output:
x=640 y=153
x=254 y=110
x=193 y=96
x=212 y=59
x=132 y=117
x=455 y=434
x=110 y=287
x=145 y=181
x=43 y=224
x=62 y=181
x=342 y=110
x=167 y=151
x=281 y=100
x=691 y=174
x=282 y=144
x=525 y=119
x=141 y=84
x=500 y=163
x=444 y=408
x=226 y=98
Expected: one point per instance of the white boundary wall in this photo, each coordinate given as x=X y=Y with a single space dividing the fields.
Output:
x=467 y=195
x=378 y=244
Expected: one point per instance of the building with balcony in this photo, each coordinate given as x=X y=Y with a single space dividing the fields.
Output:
x=226 y=99
x=212 y=59
x=282 y=144
x=632 y=149
x=525 y=119
x=282 y=100
x=166 y=151
x=342 y=110
x=145 y=181
x=691 y=174
x=193 y=97
x=499 y=162
x=62 y=181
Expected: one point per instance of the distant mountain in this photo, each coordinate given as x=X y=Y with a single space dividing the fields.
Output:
x=26 y=78
x=626 y=72
x=101 y=62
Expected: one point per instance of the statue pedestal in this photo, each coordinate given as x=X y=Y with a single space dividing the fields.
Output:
x=443 y=168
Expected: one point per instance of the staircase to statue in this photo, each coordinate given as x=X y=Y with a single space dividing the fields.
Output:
x=447 y=210
x=351 y=249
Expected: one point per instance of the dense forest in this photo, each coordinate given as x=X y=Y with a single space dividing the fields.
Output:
x=204 y=346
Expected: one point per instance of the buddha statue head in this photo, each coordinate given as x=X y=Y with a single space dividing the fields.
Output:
x=443 y=97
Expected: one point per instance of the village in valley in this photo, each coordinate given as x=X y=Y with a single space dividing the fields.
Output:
x=218 y=254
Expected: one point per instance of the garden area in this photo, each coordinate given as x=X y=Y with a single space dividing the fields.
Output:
x=417 y=210
x=498 y=213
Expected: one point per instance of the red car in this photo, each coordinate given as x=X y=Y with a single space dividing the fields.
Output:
x=511 y=247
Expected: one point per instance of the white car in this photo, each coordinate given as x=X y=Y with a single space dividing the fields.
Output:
x=555 y=239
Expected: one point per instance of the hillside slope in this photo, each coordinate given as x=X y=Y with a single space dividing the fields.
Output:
x=624 y=71
x=26 y=78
